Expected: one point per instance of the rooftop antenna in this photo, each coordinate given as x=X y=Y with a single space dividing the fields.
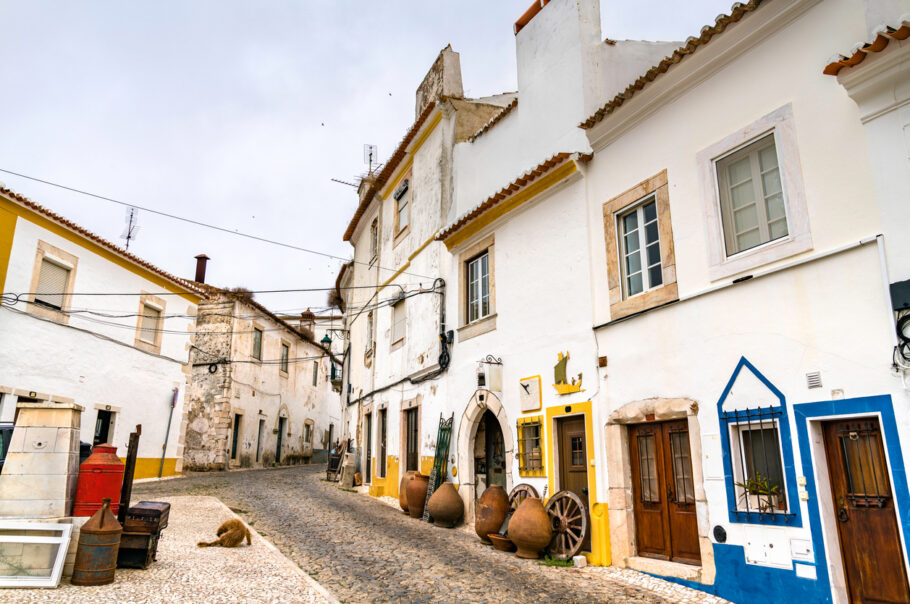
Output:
x=131 y=230
x=369 y=155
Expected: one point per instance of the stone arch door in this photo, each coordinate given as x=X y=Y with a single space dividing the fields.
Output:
x=481 y=402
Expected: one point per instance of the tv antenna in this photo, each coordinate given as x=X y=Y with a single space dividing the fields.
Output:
x=369 y=156
x=131 y=230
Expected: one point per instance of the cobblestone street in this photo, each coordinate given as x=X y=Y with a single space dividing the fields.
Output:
x=363 y=550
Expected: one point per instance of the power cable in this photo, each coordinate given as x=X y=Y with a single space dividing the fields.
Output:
x=203 y=224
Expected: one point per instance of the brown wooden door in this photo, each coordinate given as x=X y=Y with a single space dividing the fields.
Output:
x=412 y=461
x=663 y=491
x=870 y=544
x=573 y=464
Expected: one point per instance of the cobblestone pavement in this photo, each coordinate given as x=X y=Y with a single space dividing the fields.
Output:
x=185 y=573
x=363 y=550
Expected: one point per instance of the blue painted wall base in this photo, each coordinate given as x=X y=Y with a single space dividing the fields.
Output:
x=740 y=582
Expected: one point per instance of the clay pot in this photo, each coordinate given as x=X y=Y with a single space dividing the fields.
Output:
x=503 y=544
x=530 y=528
x=445 y=506
x=403 y=490
x=492 y=509
x=417 y=494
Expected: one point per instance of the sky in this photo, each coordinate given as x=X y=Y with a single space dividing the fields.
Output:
x=239 y=113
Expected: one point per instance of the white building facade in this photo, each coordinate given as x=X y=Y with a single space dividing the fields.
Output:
x=84 y=321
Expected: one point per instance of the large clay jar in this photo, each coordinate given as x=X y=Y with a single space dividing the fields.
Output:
x=530 y=529
x=417 y=494
x=445 y=506
x=492 y=509
x=403 y=490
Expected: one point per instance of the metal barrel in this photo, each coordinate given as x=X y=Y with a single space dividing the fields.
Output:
x=96 y=554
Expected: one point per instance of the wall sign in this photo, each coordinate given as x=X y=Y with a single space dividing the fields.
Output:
x=562 y=384
x=529 y=394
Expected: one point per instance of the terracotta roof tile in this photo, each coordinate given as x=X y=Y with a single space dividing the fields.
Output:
x=185 y=284
x=858 y=53
x=493 y=200
x=493 y=120
x=737 y=12
x=387 y=170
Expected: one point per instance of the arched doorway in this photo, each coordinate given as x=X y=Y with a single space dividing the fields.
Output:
x=489 y=454
x=483 y=410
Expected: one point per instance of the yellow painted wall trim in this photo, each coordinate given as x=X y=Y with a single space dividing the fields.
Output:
x=600 y=525
x=528 y=419
x=7 y=230
x=407 y=264
x=147 y=467
x=107 y=254
x=415 y=146
x=513 y=202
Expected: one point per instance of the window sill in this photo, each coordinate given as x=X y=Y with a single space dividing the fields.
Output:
x=255 y=361
x=283 y=374
x=46 y=312
x=765 y=254
x=396 y=345
x=479 y=327
x=644 y=301
x=147 y=346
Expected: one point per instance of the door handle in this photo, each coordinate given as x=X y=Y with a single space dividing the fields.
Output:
x=585 y=491
x=842 y=513
x=671 y=497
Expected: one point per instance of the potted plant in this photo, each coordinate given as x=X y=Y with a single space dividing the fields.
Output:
x=763 y=495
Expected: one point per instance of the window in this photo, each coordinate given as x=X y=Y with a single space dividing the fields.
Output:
x=257 y=343
x=285 y=353
x=369 y=347
x=753 y=199
x=751 y=196
x=52 y=282
x=398 y=322
x=641 y=261
x=235 y=437
x=383 y=440
x=647 y=468
x=479 y=287
x=308 y=433
x=402 y=197
x=315 y=373
x=374 y=239
x=530 y=446
x=758 y=470
x=148 y=329
x=640 y=248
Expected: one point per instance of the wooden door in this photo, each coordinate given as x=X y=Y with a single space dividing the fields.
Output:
x=870 y=543
x=663 y=491
x=412 y=462
x=495 y=451
x=368 y=427
x=281 y=423
x=573 y=463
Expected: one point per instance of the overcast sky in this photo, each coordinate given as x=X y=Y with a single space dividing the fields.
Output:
x=237 y=113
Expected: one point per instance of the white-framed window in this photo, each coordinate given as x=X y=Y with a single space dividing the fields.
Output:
x=758 y=467
x=315 y=373
x=52 y=281
x=285 y=355
x=398 y=322
x=257 y=343
x=752 y=198
x=478 y=289
x=151 y=319
x=639 y=245
x=754 y=201
x=369 y=345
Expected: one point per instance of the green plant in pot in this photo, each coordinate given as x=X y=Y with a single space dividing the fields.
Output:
x=759 y=489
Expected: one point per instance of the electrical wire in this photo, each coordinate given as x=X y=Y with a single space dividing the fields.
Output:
x=202 y=224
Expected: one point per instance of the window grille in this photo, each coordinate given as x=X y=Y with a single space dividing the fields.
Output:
x=530 y=446
x=759 y=480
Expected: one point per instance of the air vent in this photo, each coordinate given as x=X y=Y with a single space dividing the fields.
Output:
x=814 y=379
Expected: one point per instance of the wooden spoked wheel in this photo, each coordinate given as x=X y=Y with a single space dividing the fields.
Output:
x=570 y=524
x=520 y=493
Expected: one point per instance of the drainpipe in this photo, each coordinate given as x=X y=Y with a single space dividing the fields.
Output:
x=167 y=432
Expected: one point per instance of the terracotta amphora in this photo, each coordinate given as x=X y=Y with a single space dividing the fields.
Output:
x=492 y=509
x=417 y=494
x=530 y=529
x=445 y=506
x=403 y=490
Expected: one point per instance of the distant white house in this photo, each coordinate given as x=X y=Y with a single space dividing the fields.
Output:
x=84 y=321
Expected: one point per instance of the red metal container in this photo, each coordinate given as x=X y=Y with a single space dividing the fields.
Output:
x=100 y=478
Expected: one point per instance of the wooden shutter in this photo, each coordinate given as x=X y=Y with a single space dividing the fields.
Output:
x=149 y=326
x=52 y=284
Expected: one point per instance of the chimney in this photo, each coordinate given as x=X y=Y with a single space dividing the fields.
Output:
x=201 y=260
x=443 y=80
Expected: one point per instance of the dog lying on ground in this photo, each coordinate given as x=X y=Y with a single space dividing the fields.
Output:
x=230 y=534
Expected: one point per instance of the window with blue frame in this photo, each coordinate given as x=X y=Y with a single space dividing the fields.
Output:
x=758 y=457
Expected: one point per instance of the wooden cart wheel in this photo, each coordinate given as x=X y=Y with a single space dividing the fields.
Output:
x=520 y=493
x=570 y=524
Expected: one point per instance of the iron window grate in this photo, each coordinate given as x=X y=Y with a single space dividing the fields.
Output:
x=530 y=451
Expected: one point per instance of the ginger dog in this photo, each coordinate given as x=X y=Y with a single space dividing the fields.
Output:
x=230 y=534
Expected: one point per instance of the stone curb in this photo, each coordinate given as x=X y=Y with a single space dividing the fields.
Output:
x=287 y=561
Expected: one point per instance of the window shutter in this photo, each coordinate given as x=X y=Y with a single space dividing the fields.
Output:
x=52 y=284
x=149 y=324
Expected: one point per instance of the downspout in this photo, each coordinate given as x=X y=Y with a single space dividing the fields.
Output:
x=167 y=432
